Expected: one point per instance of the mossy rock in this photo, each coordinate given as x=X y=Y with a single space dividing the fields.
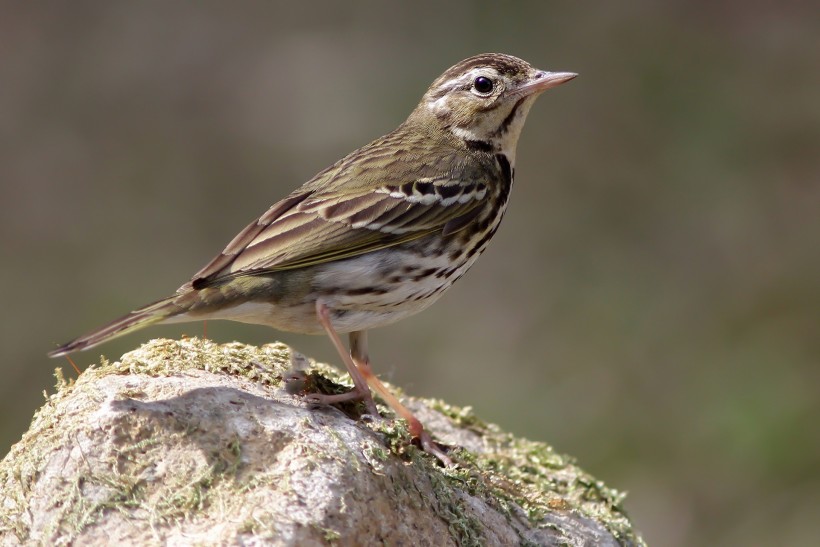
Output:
x=192 y=442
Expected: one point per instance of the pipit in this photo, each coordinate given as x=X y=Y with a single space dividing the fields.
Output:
x=377 y=236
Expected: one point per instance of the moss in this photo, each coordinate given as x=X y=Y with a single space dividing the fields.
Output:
x=330 y=535
x=447 y=503
x=513 y=472
x=167 y=357
x=532 y=476
x=463 y=417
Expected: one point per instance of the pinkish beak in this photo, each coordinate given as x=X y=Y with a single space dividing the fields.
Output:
x=542 y=81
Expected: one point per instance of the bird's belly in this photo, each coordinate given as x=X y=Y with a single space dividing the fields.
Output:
x=348 y=313
x=383 y=287
x=362 y=292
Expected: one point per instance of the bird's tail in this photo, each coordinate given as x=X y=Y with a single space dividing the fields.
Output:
x=147 y=315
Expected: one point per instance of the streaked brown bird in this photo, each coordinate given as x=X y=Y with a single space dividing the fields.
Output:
x=377 y=236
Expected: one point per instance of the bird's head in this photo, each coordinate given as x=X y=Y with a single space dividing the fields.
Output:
x=484 y=100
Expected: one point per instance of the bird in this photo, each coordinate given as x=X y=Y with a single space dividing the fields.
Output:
x=376 y=237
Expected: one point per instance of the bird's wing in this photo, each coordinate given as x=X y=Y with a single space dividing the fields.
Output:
x=325 y=221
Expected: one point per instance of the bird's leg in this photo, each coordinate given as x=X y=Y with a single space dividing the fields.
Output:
x=359 y=354
x=360 y=391
x=358 y=366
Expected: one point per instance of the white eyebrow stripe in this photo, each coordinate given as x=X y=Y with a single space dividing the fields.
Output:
x=466 y=78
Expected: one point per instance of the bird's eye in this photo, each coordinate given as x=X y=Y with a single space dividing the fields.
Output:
x=483 y=85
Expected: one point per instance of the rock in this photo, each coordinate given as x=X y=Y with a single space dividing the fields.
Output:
x=191 y=442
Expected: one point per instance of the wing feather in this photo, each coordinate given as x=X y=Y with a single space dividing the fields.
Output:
x=332 y=218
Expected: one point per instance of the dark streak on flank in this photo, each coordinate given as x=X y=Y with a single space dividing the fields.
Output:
x=424 y=274
x=362 y=291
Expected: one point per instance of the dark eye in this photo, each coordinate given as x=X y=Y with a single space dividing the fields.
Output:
x=483 y=85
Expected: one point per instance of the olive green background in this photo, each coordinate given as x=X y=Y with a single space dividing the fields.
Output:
x=650 y=304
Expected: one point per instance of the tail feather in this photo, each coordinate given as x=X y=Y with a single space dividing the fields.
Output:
x=148 y=315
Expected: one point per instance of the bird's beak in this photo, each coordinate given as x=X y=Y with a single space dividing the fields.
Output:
x=542 y=81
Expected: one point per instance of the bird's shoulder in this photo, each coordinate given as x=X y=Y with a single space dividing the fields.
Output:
x=406 y=155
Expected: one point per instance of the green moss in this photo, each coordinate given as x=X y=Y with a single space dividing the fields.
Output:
x=330 y=535
x=515 y=472
x=463 y=417
x=537 y=479
x=449 y=506
x=168 y=357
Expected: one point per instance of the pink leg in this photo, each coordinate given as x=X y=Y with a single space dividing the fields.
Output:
x=358 y=365
x=360 y=391
x=359 y=354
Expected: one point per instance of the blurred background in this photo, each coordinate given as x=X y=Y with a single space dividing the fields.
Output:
x=650 y=305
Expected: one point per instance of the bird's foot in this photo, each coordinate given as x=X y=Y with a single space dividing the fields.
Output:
x=297 y=382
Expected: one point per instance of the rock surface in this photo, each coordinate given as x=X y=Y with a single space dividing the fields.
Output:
x=190 y=442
